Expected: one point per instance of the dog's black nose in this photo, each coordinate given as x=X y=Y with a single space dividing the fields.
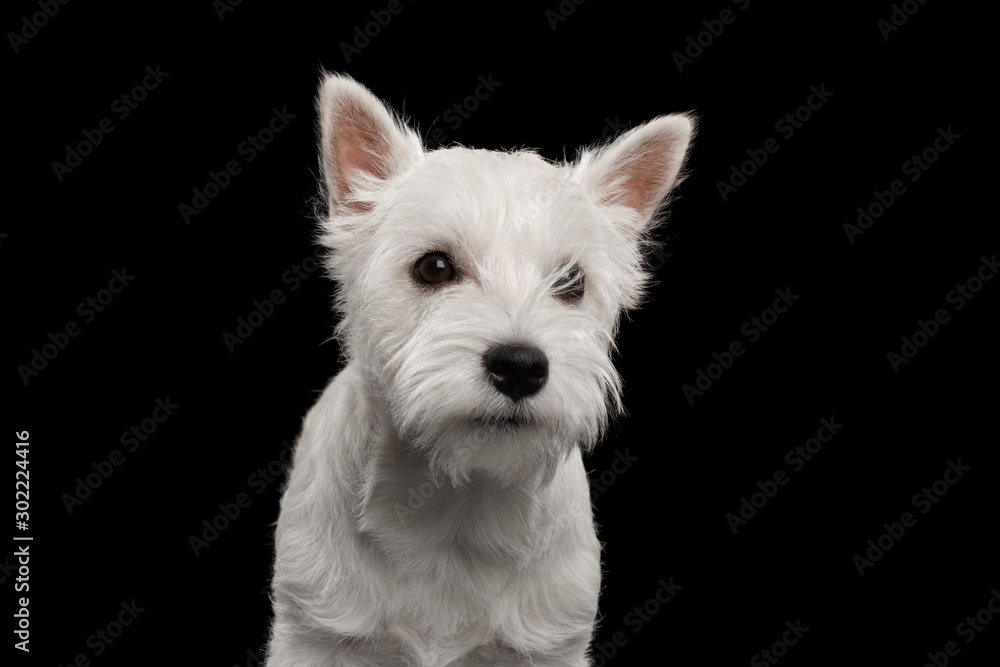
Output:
x=517 y=370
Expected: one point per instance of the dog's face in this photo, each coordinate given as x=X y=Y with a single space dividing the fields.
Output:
x=481 y=291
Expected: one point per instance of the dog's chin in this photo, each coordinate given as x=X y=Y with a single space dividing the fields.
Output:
x=499 y=425
x=508 y=448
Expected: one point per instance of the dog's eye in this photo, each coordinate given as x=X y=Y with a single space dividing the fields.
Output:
x=569 y=285
x=433 y=269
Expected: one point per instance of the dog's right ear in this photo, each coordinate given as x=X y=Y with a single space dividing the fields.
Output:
x=363 y=143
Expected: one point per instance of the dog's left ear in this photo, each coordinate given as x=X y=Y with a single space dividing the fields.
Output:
x=639 y=169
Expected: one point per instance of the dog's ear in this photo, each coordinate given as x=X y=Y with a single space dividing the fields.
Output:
x=362 y=141
x=639 y=169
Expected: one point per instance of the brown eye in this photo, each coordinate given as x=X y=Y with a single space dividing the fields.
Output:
x=569 y=285
x=434 y=269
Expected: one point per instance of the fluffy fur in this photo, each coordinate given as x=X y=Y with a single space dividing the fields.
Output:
x=429 y=519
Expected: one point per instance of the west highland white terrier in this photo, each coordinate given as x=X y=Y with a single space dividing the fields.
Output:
x=438 y=511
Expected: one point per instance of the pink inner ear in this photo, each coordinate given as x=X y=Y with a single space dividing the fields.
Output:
x=643 y=178
x=359 y=149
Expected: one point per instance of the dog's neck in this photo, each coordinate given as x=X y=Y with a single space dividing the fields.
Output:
x=409 y=508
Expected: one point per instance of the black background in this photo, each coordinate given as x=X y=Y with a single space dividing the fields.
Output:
x=662 y=517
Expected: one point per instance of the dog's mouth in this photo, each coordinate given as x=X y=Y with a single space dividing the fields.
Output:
x=503 y=423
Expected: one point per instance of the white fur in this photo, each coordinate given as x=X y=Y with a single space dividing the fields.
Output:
x=415 y=529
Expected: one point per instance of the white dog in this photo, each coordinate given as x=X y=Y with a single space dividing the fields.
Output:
x=438 y=511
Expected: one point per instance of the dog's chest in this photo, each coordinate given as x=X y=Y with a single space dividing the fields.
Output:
x=481 y=576
x=485 y=620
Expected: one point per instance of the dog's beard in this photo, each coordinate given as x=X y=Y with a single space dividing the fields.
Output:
x=507 y=450
x=480 y=433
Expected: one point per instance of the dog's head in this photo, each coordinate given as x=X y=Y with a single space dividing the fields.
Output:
x=481 y=291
